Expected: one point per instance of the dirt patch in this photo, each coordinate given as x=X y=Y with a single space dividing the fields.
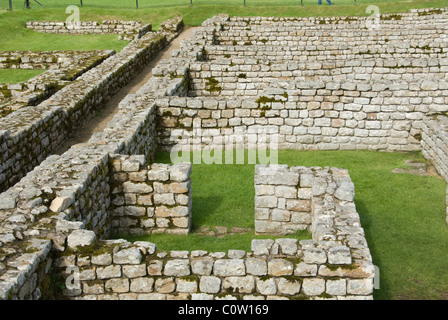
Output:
x=417 y=168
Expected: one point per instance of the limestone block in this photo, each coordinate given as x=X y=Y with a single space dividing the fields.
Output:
x=261 y=246
x=229 y=267
x=165 y=285
x=239 y=284
x=128 y=256
x=266 y=286
x=177 y=267
x=339 y=255
x=313 y=287
x=288 y=287
x=256 y=266
x=202 y=265
x=314 y=255
x=210 y=284
x=142 y=285
x=81 y=238
x=280 y=267
x=336 y=287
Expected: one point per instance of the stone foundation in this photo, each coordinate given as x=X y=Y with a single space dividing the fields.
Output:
x=126 y=30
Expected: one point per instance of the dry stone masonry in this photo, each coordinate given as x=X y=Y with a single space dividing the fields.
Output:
x=297 y=78
x=63 y=67
x=29 y=134
x=150 y=199
x=126 y=30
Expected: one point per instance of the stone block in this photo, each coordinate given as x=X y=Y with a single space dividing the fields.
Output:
x=177 y=267
x=210 y=284
x=81 y=238
x=128 y=256
x=229 y=267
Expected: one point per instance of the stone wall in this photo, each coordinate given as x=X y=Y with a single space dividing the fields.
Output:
x=126 y=30
x=282 y=199
x=72 y=191
x=31 y=133
x=336 y=264
x=149 y=199
x=63 y=67
x=434 y=143
x=65 y=203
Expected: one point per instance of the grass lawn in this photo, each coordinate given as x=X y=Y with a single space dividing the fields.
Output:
x=15 y=36
x=17 y=75
x=403 y=215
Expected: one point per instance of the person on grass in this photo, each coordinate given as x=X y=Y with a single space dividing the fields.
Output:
x=329 y=2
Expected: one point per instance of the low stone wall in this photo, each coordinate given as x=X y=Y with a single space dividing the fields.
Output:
x=72 y=192
x=126 y=30
x=336 y=264
x=149 y=199
x=64 y=67
x=282 y=199
x=30 y=134
x=434 y=143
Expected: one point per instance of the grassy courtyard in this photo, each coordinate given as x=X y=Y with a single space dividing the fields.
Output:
x=403 y=215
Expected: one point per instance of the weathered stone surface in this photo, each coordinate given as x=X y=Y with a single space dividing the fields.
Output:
x=266 y=286
x=81 y=238
x=165 y=285
x=287 y=246
x=256 y=266
x=360 y=286
x=187 y=285
x=288 y=287
x=202 y=266
x=177 y=267
x=239 y=284
x=142 y=285
x=61 y=203
x=336 y=287
x=210 y=284
x=313 y=287
x=229 y=267
x=261 y=247
x=339 y=255
x=314 y=255
x=128 y=256
x=280 y=267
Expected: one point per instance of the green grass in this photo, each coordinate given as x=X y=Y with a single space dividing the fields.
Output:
x=15 y=36
x=403 y=215
x=17 y=75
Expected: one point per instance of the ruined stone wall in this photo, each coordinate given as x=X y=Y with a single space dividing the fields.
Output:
x=434 y=143
x=127 y=30
x=282 y=199
x=31 y=133
x=63 y=67
x=317 y=92
x=336 y=264
x=149 y=199
x=44 y=210
x=70 y=192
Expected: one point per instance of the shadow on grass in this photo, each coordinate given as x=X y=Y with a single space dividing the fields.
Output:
x=366 y=223
x=204 y=211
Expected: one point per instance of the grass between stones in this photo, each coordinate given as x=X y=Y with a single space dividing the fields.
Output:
x=17 y=75
x=403 y=215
